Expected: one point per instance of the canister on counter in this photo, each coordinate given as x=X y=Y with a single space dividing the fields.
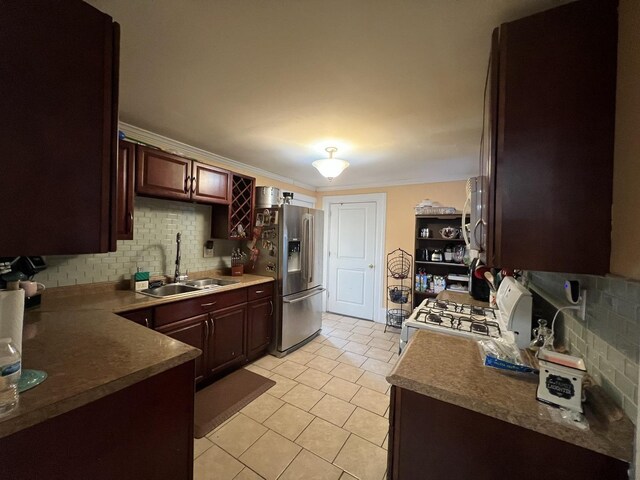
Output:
x=560 y=381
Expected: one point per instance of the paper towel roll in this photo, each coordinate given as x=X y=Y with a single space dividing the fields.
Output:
x=12 y=315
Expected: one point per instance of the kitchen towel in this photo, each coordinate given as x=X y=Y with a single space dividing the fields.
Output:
x=12 y=315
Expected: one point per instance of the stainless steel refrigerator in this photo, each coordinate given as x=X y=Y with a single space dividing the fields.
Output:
x=289 y=246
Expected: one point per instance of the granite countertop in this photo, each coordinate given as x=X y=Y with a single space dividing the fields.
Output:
x=119 y=301
x=90 y=352
x=450 y=369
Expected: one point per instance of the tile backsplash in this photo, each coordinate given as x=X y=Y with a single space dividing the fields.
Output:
x=153 y=247
x=609 y=339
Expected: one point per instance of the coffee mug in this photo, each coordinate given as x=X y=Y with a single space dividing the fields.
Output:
x=31 y=288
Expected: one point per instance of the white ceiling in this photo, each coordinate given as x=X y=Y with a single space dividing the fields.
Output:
x=395 y=85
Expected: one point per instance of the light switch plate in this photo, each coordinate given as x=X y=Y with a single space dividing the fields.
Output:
x=207 y=252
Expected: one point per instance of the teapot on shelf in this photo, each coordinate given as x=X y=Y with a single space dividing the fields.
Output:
x=450 y=232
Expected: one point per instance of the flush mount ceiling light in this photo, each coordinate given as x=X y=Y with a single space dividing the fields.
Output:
x=330 y=167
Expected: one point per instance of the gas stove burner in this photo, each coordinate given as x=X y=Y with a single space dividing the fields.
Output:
x=480 y=328
x=432 y=317
x=477 y=310
x=442 y=304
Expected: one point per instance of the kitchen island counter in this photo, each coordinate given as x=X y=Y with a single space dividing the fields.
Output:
x=450 y=369
x=90 y=352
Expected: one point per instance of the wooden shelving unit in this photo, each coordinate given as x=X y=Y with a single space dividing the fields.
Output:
x=435 y=241
x=235 y=221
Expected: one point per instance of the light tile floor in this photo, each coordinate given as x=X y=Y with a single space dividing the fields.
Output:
x=326 y=417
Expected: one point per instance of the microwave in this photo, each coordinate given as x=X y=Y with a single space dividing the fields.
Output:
x=474 y=232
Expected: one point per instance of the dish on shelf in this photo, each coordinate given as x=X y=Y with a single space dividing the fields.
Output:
x=450 y=232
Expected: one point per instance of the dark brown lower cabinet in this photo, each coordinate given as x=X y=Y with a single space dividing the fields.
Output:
x=192 y=331
x=144 y=431
x=259 y=326
x=434 y=440
x=228 y=330
x=142 y=317
x=226 y=341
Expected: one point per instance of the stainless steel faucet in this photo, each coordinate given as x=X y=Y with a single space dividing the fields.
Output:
x=177 y=277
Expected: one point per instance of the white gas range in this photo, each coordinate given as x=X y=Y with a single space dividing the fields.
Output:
x=511 y=320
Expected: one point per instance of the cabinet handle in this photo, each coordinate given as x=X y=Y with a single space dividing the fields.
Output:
x=271 y=303
x=213 y=326
x=146 y=322
x=186 y=184
x=193 y=184
x=208 y=304
x=130 y=222
x=258 y=292
x=206 y=329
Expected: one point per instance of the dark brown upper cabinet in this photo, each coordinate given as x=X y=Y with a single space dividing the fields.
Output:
x=235 y=221
x=59 y=79
x=164 y=175
x=161 y=174
x=550 y=134
x=210 y=184
x=125 y=190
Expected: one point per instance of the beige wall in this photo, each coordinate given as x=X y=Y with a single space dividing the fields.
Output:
x=625 y=251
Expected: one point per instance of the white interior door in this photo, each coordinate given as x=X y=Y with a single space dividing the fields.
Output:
x=352 y=250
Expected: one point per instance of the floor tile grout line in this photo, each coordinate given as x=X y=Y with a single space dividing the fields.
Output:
x=246 y=449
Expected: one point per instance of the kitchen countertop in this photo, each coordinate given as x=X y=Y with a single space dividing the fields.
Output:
x=90 y=352
x=450 y=369
x=119 y=301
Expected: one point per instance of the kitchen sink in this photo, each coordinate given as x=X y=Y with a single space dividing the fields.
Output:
x=189 y=287
x=211 y=282
x=169 y=290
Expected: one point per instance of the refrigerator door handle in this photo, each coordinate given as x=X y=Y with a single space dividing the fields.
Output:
x=299 y=299
x=305 y=246
x=311 y=251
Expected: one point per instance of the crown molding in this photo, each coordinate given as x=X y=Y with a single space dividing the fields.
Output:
x=166 y=143
x=337 y=188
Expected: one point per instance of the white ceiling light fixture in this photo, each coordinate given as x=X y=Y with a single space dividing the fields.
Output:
x=330 y=167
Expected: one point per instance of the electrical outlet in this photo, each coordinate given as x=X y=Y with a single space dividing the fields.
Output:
x=207 y=252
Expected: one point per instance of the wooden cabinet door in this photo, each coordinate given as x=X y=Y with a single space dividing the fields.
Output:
x=59 y=79
x=486 y=232
x=210 y=184
x=160 y=174
x=142 y=317
x=554 y=162
x=125 y=188
x=259 y=327
x=227 y=339
x=193 y=331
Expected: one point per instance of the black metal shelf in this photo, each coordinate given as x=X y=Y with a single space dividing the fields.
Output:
x=399 y=288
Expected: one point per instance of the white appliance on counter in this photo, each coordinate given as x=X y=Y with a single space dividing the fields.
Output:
x=511 y=320
x=515 y=307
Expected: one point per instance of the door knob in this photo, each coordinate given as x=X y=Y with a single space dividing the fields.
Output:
x=371 y=265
